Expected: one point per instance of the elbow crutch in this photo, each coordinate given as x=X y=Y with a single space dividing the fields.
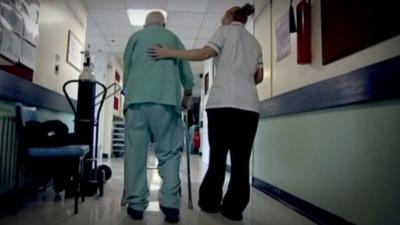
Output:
x=187 y=149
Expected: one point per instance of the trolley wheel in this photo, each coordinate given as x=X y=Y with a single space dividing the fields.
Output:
x=90 y=187
x=101 y=179
x=106 y=170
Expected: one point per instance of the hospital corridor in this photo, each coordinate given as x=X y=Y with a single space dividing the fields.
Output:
x=199 y=112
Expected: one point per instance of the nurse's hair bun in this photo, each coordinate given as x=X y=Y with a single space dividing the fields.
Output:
x=247 y=9
x=242 y=13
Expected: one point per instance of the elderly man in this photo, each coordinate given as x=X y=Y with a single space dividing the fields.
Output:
x=153 y=96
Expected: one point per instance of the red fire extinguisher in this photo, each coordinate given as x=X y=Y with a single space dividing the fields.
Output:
x=303 y=12
x=196 y=140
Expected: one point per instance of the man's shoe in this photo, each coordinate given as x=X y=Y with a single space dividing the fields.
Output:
x=135 y=214
x=171 y=214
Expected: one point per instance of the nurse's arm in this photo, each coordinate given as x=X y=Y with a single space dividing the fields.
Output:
x=259 y=75
x=200 y=54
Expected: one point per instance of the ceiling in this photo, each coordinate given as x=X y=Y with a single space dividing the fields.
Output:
x=194 y=21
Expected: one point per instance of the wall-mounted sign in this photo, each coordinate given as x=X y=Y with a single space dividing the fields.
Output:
x=282 y=37
x=74 y=51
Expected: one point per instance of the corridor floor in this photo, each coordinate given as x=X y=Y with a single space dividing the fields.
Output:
x=262 y=210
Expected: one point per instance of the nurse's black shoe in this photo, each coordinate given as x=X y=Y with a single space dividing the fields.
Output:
x=135 y=214
x=232 y=215
x=171 y=214
x=209 y=208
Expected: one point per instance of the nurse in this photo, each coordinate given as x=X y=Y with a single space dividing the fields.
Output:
x=232 y=109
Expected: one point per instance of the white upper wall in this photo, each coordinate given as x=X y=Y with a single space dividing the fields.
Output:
x=262 y=31
x=56 y=19
x=197 y=69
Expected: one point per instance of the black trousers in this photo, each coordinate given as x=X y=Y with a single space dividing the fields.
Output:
x=229 y=130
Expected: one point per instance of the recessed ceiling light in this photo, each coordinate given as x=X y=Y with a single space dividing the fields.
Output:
x=137 y=17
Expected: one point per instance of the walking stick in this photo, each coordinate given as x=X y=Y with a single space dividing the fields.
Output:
x=187 y=148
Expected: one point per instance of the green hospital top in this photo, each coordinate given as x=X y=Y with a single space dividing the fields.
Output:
x=154 y=81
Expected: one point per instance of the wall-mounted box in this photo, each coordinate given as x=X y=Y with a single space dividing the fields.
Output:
x=29 y=9
x=28 y=55
x=11 y=18
x=31 y=31
x=10 y=46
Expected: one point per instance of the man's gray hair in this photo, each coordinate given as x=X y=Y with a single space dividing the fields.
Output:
x=155 y=18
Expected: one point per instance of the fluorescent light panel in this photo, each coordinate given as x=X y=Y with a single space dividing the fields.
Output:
x=137 y=17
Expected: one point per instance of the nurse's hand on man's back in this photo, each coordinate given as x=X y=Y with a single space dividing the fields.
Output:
x=159 y=52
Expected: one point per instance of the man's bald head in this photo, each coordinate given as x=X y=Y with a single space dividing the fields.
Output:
x=155 y=18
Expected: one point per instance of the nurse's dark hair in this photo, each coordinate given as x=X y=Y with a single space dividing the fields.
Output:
x=242 y=13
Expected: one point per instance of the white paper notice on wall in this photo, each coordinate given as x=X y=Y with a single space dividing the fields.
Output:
x=10 y=45
x=282 y=37
x=28 y=55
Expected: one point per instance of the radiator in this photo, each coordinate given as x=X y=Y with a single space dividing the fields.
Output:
x=8 y=153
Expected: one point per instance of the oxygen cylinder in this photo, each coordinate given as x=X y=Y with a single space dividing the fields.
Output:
x=86 y=123
x=85 y=112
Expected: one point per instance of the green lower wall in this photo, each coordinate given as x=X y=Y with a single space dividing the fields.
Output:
x=345 y=160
